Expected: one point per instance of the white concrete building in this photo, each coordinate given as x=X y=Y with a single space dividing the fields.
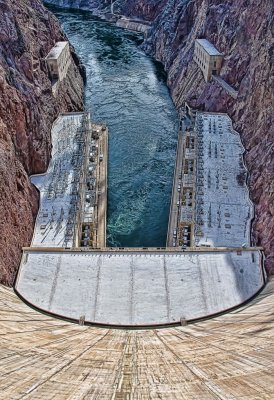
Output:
x=59 y=185
x=208 y=58
x=58 y=60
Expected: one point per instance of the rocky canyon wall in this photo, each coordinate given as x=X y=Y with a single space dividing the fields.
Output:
x=147 y=10
x=92 y=5
x=27 y=110
x=244 y=31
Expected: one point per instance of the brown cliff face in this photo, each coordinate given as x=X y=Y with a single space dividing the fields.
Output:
x=242 y=29
x=244 y=32
x=27 y=110
x=147 y=10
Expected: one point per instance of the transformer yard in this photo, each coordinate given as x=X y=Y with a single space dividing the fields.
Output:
x=73 y=191
x=210 y=202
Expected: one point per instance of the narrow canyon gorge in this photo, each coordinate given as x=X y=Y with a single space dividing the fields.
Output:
x=241 y=29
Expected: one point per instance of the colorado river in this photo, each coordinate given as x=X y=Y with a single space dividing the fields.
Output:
x=126 y=89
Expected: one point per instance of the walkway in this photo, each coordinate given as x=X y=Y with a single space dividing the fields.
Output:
x=174 y=208
x=101 y=189
x=229 y=89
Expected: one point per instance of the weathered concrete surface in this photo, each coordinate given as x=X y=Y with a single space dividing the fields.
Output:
x=229 y=357
x=27 y=110
x=73 y=190
x=210 y=193
x=61 y=186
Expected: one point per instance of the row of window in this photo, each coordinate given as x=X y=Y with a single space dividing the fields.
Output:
x=200 y=62
x=61 y=66
x=64 y=61
x=201 y=53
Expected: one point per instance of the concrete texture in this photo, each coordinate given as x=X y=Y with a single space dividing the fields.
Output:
x=227 y=358
x=138 y=288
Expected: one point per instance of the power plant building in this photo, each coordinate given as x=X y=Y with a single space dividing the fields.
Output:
x=208 y=58
x=58 y=60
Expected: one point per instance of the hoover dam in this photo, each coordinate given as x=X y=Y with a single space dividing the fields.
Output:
x=141 y=274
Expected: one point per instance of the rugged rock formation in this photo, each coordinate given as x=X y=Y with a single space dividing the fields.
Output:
x=244 y=32
x=27 y=110
x=92 y=5
x=147 y=10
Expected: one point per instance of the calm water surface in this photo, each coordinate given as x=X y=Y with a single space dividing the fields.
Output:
x=126 y=89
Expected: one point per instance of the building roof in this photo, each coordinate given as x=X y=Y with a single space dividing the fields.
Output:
x=56 y=50
x=224 y=210
x=57 y=185
x=209 y=47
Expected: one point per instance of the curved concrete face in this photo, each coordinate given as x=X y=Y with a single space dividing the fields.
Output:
x=229 y=357
x=134 y=288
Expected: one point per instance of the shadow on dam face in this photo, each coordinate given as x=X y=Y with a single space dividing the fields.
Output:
x=136 y=288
